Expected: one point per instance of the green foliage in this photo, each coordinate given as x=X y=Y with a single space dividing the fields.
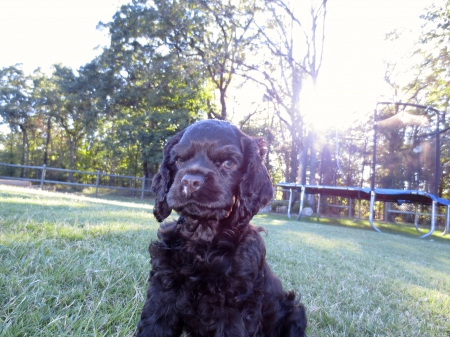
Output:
x=8 y=152
x=116 y=112
x=154 y=92
x=15 y=104
x=426 y=83
x=433 y=76
x=170 y=63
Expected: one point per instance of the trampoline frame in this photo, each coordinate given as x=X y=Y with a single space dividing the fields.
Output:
x=384 y=195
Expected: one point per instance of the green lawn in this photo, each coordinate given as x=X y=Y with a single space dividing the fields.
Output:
x=78 y=266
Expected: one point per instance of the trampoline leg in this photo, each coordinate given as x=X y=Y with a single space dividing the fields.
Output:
x=359 y=211
x=318 y=205
x=447 y=221
x=416 y=219
x=302 y=197
x=350 y=206
x=290 y=202
x=372 y=208
x=433 y=220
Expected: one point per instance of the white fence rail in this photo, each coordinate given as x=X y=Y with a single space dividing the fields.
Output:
x=133 y=181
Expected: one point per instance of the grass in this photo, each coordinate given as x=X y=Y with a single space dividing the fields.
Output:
x=403 y=228
x=78 y=266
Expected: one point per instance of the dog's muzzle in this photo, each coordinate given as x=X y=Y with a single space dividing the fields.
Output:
x=191 y=183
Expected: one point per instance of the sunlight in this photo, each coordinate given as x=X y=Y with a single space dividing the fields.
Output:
x=351 y=80
x=324 y=107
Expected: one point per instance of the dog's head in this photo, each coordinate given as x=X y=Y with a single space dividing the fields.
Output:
x=210 y=170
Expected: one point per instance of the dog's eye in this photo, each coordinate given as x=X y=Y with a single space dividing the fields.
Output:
x=179 y=162
x=228 y=164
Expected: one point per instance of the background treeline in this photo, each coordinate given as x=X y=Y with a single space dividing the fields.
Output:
x=170 y=63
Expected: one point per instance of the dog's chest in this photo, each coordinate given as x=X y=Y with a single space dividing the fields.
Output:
x=215 y=287
x=213 y=283
x=211 y=272
x=205 y=267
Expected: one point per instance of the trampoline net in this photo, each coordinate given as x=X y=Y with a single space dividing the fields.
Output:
x=406 y=149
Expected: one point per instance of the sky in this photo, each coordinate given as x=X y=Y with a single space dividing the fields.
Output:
x=40 y=33
x=351 y=80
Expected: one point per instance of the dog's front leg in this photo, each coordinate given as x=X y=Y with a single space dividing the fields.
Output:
x=159 y=318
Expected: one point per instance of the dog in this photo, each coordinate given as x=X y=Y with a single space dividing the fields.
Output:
x=209 y=276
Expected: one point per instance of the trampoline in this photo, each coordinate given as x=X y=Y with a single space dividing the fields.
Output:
x=405 y=166
x=378 y=194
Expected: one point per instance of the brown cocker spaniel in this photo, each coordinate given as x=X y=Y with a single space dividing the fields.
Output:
x=209 y=276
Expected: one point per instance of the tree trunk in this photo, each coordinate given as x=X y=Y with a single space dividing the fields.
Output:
x=294 y=161
x=24 y=161
x=72 y=152
x=11 y=154
x=47 y=141
x=223 y=104
x=303 y=161
x=312 y=166
x=312 y=159
x=146 y=168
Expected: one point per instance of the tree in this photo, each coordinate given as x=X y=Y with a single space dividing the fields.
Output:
x=154 y=91
x=10 y=143
x=431 y=85
x=429 y=77
x=227 y=37
x=166 y=61
x=432 y=73
x=47 y=98
x=295 y=49
x=16 y=106
x=77 y=112
x=214 y=36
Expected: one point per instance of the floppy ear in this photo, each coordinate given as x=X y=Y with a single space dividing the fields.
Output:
x=163 y=180
x=256 y=188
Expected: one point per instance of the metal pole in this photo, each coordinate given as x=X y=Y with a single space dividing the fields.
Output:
x=438 y=157
x=42 y=177
x=143 y=187
x=97 y=183
x=359 y=210
x=350 y=206
x=290 y=202
x=302 y=198
x=416 y=218
x=374 y=154
x=318 y=205
x=447 y=221
x=433 y=220
x=372 y=211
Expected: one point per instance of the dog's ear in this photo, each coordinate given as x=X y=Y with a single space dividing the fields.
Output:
x=163 y=180
x=256 y=188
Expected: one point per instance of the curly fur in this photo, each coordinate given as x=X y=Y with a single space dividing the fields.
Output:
x=209 y=276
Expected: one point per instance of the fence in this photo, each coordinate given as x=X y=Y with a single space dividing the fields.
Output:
x=132 y=184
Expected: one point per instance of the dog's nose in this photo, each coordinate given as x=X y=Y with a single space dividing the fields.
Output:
x=191 y=183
